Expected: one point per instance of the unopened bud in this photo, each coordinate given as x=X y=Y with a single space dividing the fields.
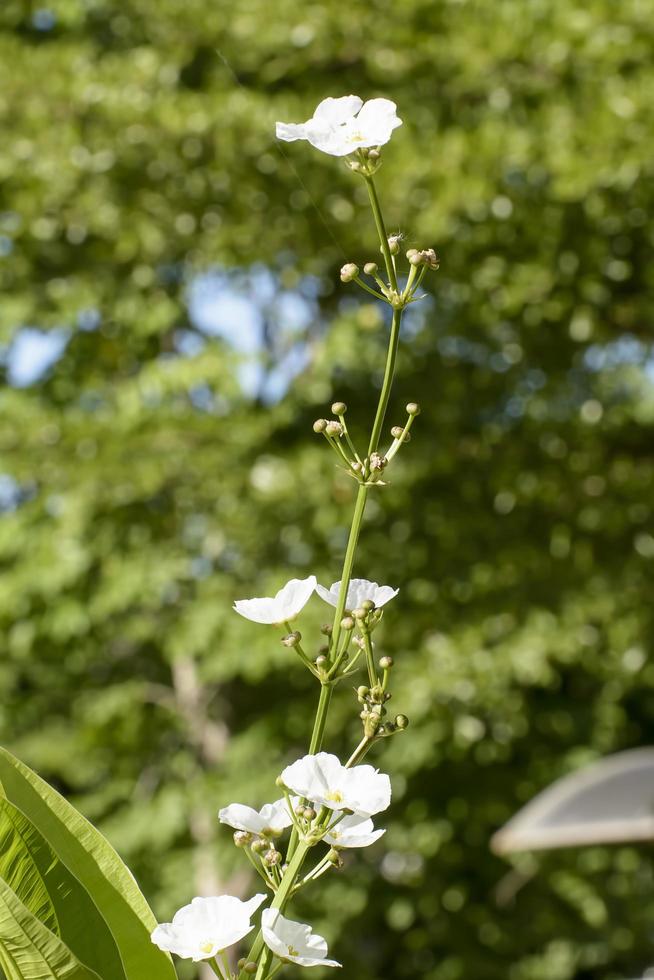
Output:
x=259 y=845
x=413 y=408
x=386 y=663
x=250 y=967
x=415 y=258
x=394 y=244
x=334 y=429
x=411 y=252
x=370 y=268
x=292 y=639
x=377 y=462
x=320 y=425
x=349 y=272
x=397 y=432
x=363 y=692
x=347 y=623
x=299 y=810
x=273 y=857
x=374 y=154
x=335 y=858
x=241 y=963
x=309 y=813
x=368 y=605
x=321 y=661
x=326 y=629
x=402 y=722
x=242 y=838
x=360 y=613
x=339 y=408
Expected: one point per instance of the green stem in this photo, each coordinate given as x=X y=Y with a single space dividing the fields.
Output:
x=387 y=382
x=278 y=902
x=381 y=231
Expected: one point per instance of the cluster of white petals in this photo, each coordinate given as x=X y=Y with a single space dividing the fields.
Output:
x=293 y=941
x=207 y=926
x=358 y=591
x=281 y=608
x=271 y=818
x=321 y=778
x=353 y=831
x=345 y=125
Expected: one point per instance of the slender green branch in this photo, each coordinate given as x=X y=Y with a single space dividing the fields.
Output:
x=387 y=382
x=381 y=231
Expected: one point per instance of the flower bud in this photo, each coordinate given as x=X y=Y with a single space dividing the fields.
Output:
x=339 y=408
x=363 y=692
x=320 y=425
x=386 y=663
x=398 y=431
x=401 y=722
x=259 y=845
x=321 y=661
x=335 y=858
x=292 y=639
x=415 y=258
x=242 y=838
x=241 y=963
x=309 y=813
x=370 y=268
x=376 y=693
x=347 y=623
x=394 y=244
x=272 y=857
x=334 y=429
x=349 y=272
x=374 y=154
x=326 y=629
x=360 y=613
x=377 y=462
x=413 y=408
x=411 y=252
x=299 y=810
x=250 y=967
x=368 y=605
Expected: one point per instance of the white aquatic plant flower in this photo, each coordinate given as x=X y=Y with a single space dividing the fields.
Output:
x=271 y=818
x=353 y=831
x=281 y=608
x=293 y=941
x=343 y=126
x=207 y=926
x=322 y=779
x=358 y=590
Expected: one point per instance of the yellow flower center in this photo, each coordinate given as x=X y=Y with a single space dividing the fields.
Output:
x=292 y=951
x=206 y=947
x=335 y=796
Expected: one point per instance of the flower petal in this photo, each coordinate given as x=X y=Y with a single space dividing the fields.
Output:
x=333 y=112
x=290 y=131
x=285 y=605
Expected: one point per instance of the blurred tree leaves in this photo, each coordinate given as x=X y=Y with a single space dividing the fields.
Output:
x=144 y=487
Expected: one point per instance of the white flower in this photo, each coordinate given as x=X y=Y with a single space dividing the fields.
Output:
x=204 y=928
x=353 y=832
x=271 y=818
x=358 y=590
x=342 y=126
x=293 y=941
x=285 y=606
x=322 y=779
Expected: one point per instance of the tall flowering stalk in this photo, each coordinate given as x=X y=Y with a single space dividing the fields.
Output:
x=324 y=803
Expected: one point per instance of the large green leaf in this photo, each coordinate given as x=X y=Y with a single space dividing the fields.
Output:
x=46 y=887
x=94 y=863
x=29 y=950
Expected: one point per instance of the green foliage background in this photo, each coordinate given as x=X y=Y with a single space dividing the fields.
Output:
x=144 y=490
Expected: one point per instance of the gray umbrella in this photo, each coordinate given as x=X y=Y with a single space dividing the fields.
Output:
x=606 y=802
